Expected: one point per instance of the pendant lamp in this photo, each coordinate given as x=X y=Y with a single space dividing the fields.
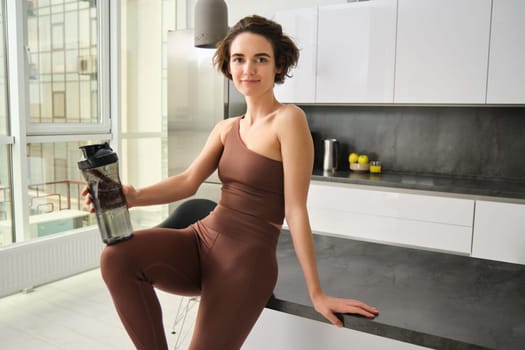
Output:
x=211 y=22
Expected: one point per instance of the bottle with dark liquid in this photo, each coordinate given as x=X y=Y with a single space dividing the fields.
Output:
x=99 y=167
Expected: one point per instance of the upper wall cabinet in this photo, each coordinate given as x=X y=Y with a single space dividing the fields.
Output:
x=442 y=51
x=408 y=51
x=506 y=80
x=355 y=52
x=301 y=26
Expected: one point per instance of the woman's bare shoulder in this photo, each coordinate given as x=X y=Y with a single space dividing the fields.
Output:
x=290 y=117
x=292 y=111
x=226 y=123
x=224 y=126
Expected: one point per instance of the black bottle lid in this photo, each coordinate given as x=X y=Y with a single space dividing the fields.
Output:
x=96 y=155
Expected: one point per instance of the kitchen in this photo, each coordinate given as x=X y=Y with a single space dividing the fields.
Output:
x=447 y=130
x=423 y=95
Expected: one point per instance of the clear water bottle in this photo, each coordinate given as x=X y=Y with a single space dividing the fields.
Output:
x=99 y=166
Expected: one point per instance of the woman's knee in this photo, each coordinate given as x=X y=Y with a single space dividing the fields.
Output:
x=114 y=262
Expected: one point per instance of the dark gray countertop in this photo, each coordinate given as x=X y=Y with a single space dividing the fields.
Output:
x=512 y=189
x=437 y=300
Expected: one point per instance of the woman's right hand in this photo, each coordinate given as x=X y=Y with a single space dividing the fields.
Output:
x=87 y=198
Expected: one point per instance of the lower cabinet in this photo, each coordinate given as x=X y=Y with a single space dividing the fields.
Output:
x=479 y=228
x=422 y=221
x=499 y=232
x=281 y=331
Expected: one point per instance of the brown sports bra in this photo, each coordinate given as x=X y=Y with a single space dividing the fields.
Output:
x=251 y=183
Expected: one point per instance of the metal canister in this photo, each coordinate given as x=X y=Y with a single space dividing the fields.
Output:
x=331 y=154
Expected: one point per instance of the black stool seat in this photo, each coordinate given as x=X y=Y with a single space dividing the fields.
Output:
x=188 y=213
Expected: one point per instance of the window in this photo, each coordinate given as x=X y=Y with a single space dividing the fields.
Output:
x=61 y=59
x=63 y=45
x=65 y=82
x=55 y=183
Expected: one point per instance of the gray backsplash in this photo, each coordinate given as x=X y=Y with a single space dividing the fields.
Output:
x=487 y=142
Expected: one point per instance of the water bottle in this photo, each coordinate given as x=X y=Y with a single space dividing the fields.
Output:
x=99 y=166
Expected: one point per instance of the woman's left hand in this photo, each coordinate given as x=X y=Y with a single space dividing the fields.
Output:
x=327 y=306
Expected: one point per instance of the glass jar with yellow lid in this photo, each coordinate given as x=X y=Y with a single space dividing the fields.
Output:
x=375 y=167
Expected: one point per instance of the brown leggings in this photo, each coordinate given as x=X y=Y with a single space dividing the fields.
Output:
x=227 y=258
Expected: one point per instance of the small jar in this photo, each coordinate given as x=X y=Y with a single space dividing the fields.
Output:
x=375 y=167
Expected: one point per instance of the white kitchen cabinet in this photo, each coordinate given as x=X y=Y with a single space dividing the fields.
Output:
x=506 y=76
x=281 y=331
x=442 y=51
x=355 y=52
x=301 y=26
x=499 y=232
x=417 y=220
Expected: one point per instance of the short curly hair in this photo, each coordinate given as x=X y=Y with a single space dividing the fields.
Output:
x=285 y=51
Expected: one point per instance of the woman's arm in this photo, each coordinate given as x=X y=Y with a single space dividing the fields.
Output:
x=184 y=184
x=297 y=154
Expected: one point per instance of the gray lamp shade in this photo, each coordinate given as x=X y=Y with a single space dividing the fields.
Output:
x=211 y=22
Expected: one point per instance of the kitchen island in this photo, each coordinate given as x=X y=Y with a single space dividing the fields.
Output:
x=429 y=299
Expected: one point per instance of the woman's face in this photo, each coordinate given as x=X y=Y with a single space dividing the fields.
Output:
x=252 y=64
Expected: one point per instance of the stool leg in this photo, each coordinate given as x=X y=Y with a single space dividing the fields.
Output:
x=180 y=317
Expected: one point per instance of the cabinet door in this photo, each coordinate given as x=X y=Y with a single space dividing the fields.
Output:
x=506 y=80
x=301 y=26
x=499 y=232
x=281 y=331
x=424 y=221
x=355 y=52
x=442 y=51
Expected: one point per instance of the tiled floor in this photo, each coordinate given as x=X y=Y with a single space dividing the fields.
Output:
x=76 y=314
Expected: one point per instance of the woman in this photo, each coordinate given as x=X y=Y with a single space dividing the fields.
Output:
x=264 y=160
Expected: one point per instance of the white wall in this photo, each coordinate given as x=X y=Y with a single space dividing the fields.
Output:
x=238 y=9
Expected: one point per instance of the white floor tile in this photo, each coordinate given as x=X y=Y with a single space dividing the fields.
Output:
x=75 y=314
